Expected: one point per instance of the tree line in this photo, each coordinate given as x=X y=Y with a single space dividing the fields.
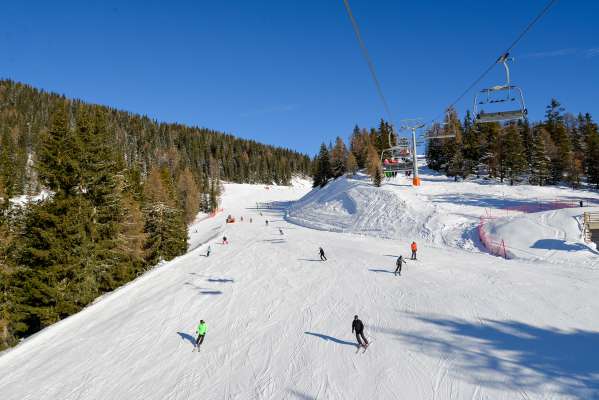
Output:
x=561 y=149
x=363 y=152
x=119 y=191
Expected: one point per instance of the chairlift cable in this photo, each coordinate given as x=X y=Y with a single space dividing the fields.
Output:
x=540 y=15
x=368 y=59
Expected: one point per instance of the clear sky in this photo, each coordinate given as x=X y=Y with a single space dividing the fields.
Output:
x=290 y=72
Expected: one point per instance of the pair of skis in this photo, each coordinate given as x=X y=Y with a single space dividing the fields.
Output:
x=364 y=347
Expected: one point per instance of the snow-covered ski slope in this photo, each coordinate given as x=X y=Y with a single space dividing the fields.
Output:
x=444 y=213
x=458 y=324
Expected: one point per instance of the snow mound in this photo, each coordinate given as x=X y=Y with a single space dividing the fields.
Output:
x=356 y=206
x=548 y=235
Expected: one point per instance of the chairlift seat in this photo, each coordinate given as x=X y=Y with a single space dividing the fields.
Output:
x=499 y=116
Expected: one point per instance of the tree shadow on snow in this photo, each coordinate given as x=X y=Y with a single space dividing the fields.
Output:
x=381 y=270
x=300 y=395
x=332 y=339
x=275 y=241
x=220 y=280
x=511 y=354
x=188 y=337
x=556 y=244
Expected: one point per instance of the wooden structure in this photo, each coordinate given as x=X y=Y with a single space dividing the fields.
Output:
x=591 y=227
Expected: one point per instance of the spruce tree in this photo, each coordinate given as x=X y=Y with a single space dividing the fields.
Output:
x=375 y=169
x=338 y=158
x=322 y=172
x=513 y=158
x=591 y=141
x=351 y=165
x=540 y=167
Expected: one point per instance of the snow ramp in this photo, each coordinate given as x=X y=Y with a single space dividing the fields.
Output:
x=356 y=206
x=554 y=236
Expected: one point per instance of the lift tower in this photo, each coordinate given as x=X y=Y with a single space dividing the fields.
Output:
x=413 y=124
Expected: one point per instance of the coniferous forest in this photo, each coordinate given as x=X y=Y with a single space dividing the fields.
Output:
x=117 y=192
x=561 y=149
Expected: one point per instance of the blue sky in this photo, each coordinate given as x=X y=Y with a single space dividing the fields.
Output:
x=290 y=73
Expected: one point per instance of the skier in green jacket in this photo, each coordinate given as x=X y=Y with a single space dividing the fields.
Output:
x=201 y=331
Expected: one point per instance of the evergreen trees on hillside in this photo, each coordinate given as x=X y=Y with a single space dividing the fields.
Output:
x=121 y=189
x=560 y=149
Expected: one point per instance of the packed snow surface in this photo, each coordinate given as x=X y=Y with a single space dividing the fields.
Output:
x=457 y=324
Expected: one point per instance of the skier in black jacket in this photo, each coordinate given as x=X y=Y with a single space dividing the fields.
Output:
x=358 y=327
x=322 y=256
x=400 y=261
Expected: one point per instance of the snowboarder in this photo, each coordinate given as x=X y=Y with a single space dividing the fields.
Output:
x=414 y=248
x=201 y=331
x=225 y=240
x=322 y=256
x=358 y=327
x=280 y=231
x=208 y=251
x=400 y=261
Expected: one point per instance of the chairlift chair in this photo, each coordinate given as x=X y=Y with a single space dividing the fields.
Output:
x=436 y=133
x=397 y=158
x=507 y=93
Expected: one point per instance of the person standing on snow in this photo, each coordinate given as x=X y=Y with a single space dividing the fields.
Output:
x=358 y=327
x=280 y=231
x=266 y=222
x=201 y=331
x=208 y=251
x=322 y=256
x=400 y=261
x=225 y=240
x=414 y=248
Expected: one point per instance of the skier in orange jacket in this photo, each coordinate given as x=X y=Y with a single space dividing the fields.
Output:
x=414 y=248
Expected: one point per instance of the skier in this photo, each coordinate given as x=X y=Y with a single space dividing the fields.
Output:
x=225 y=240
x=201 y=331
x=322 y=256
x=400 y=261
x=414 y=248
x=208 y=251
x=358 y=327
x=280 y=231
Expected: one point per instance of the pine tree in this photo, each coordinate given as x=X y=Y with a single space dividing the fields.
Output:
x=351 y=165
x=7 y=171
x=470 y=145
x=165 y=227
x=338 y=158
x=375 y=170
x=188 y=195
x=322 y=172
x=434 y=150
x=513 y=158
x=591 y=141
x=540 y=171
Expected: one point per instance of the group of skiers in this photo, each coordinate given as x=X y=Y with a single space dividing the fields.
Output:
x=400 y=259
x=357 y=324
